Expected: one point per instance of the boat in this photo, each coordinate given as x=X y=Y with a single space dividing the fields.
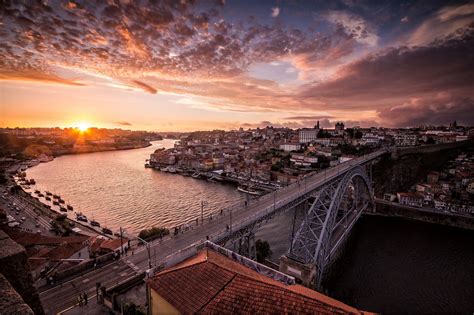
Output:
x=43 y=158
x=60 y=200
x=48 y=198
x=107 y=231
x=147 y=165
x=31 y=182
x=171 y=169
x=95 y=223
x=69 y=207
x=37 y=192
x=55 y=203
x=40 y=195
x=48 y=193
x=62 y=209
x=81 y=217
x=248 y=190
x=56 y=196
x=196 y=175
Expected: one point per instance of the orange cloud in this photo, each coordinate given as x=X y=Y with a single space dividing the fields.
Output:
x=37 y=77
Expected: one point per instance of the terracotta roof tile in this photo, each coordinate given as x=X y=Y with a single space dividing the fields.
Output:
x=190 y=288
x=29 y=239
x=212 y=283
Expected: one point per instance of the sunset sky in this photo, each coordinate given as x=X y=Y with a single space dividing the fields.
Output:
x=179 y=66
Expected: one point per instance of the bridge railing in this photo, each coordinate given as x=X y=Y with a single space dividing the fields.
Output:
x=307 y=182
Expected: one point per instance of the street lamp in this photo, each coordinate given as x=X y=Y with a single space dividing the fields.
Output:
x=230 y=226
x=203 y=203
x=148 y=250
x=274 y=197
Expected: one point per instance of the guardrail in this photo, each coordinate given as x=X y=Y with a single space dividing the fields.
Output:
x=308 y=182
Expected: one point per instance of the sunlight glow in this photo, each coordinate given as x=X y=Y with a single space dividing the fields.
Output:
x=82 y=126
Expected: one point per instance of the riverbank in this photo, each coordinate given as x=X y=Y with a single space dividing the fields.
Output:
x=80 y=149
x=388 y=209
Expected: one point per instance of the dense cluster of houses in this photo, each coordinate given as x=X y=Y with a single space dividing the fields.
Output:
x=58 y=141
x=283 y=155
x=48 y=255
x=451 y=189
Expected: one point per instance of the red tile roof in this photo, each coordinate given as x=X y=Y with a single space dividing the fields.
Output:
x=29 y=239
x=212 y=283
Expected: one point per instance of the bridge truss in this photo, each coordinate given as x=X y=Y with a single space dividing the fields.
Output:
x=336 y=208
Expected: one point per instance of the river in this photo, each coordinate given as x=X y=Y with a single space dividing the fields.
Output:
x=393 y=265
x=115 y=189
x=388 y=265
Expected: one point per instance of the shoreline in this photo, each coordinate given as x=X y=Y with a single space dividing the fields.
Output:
x=46 y=208
x=104 y=149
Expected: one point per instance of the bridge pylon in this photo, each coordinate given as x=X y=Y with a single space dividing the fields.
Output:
x=338 y=205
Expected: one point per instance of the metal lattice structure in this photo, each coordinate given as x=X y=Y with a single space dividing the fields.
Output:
x=337 y=206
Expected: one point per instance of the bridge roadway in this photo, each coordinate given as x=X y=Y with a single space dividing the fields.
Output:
x=64 y=296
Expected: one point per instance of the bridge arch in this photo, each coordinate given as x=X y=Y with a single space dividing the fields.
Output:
x=331 y=216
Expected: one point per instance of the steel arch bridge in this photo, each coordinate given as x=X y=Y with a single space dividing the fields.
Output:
x=336 y=208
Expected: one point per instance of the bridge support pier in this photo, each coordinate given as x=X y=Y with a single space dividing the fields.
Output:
x=306 y=273
x=245 y=245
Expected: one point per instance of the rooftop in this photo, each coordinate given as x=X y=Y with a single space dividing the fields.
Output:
x=212 y=283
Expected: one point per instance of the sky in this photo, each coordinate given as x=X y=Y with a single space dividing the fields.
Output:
x=203 y=65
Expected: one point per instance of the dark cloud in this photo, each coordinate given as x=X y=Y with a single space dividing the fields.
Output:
x=145 y=86
x=123 y=123
x=314 y=118
x=437 y=111
x=401 y=73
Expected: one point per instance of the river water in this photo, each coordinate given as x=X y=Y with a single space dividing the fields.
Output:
x=115 y=189
x=388 y=265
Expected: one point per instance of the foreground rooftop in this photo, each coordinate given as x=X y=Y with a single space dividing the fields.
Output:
x=210 y=282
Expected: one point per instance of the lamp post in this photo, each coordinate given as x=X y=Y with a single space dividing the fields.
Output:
x=305 y=182
x=121 y=241
x=148 y=250
x=274 y=199
x=230 y=225
x=203 y=203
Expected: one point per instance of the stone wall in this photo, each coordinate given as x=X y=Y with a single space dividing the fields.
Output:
x=15 y=268
x=10 y=301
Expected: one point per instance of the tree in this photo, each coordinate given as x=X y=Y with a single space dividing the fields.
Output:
x=263 y=250
x=132 y=309
x=350 y=132
x=358 y=134
x=153 y=232
x=61 y=217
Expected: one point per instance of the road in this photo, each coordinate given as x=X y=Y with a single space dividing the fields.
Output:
x=214 y=229
x=34 y=221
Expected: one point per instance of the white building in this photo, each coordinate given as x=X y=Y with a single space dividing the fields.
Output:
x=406 y=140
x=308 y=135
x=302 y=160
x=287 y=147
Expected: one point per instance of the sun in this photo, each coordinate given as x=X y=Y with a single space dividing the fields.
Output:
x=83 y=126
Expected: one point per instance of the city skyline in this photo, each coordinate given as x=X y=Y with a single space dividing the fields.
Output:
x=183 y=67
